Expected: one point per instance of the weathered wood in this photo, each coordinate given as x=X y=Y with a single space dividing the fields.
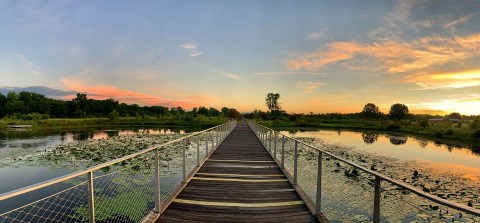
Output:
x=239 y=183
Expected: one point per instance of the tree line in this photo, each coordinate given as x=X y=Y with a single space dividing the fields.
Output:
x=32 y=106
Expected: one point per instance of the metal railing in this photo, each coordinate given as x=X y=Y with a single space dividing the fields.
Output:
x=128 y=189
x=338 y=189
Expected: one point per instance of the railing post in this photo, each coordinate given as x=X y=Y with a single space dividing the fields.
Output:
x=157 y=182
x=270 y=141
x=184 y=160
x=318 y=205
x=275 y=146
x=91 y=201
x=376 y=201
x=198 y=151
x=216 y=137
x=206 y=144
x=283 y=152
x=295 y=163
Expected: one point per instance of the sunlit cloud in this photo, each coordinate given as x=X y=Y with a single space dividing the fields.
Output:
x=192 y=49
x=463 y=19
x=395 y=56
x=467 y=106
x=461 y=79
x=102 y=92
x=286 y=73
x=308 y=87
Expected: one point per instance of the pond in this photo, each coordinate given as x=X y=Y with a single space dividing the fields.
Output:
x=16 y=146
x=406 y=148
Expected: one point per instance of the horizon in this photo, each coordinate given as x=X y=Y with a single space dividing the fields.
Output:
x=320 y=56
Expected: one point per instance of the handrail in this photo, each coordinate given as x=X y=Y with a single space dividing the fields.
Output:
x=46 y=183
x=451 y=204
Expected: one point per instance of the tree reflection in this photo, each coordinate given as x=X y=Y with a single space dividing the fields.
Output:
x=398 y=140
x=369 y=138
x=422 y=143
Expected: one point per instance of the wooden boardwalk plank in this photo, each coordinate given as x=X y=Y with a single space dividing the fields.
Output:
x=240 y=182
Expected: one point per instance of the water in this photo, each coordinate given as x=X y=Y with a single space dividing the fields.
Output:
x=442 y=157
x=20 y=144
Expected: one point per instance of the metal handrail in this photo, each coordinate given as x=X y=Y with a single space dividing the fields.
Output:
x=378 y=177
x=43 y=184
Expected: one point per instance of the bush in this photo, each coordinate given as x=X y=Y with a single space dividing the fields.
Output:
x=449 y=132
x=438 y=134
x=423 y=123
x=476 y=134
x=393 y=127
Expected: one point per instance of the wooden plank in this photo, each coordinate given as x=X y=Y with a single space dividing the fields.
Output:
x=239 y=183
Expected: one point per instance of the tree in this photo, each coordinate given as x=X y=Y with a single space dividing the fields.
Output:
x=455 y=115
x=370 y=110
x=398 y=111
x=272 y=102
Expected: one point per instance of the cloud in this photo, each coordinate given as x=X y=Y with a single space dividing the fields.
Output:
x=316 y=35
x=308 y=87
x=192 y=49
x=452 y=24
x=459 y=79
x=395 y=56
x=34 y=69
x=285 y=73
x=101 y=92
x=469 y=105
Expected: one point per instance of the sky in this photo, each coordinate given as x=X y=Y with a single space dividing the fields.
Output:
x=320 y=56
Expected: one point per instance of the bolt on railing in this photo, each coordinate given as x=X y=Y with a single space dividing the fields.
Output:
x=97 y=190
x=313 y=195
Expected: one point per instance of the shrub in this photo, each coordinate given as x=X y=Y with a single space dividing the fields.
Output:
x=393 y=127
x=423 y=123
x=476 y=134
x=438 y=134
x=449 y=132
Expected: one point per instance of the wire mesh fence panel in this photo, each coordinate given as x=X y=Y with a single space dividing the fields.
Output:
x=171 y=172
x=289 y=155
x=58 y=207
x=400 y=205
x=347 y=192
x=307 y=171
x=191 y=155
x=125 y=193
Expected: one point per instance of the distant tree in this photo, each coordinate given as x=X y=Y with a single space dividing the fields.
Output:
x=398 y=111
x=82 y=102
x=370 y=110
x=203 y=111
x=213 y=112
x=225 y=111
x=455 y=115
x=272 y=102
x=113 y=115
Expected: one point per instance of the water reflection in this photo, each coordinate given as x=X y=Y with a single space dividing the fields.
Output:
x=369 y=138
x=398 y=140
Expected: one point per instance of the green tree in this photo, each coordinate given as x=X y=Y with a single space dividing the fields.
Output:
x=370 y=110
x=113 y=115
x=455 y=115
x=398 y=111
x=272 y=102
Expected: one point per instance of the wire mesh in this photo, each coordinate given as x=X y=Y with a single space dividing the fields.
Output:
x=58 y=207
x=400 y=205
x=307 y=171
x=347 y=194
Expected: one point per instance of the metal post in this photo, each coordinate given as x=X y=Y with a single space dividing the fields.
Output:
x=184 y=159
x=216 y=136
x=275 y=146
x=270 y=141
x=157 y=182
x=206 y=143
x=198 y=151
x=376 y=201
x=91 y=202
x=318 y=206
x=295 y=163
x=283 y=152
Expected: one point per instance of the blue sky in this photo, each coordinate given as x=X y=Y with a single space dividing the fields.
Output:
x=321 y=56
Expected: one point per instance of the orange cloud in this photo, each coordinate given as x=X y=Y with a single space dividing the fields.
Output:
x=394 y=56
x=460 y=79
x=309 y=87
x=101 y=92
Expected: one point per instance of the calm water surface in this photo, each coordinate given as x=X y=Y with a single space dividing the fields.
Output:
x=20 y=144
x=442 y=157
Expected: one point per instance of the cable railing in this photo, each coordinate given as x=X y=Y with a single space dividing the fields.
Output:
x=134 y=188
x=342 y=191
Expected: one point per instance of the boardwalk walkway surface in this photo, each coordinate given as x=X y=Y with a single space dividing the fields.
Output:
x=240 y=182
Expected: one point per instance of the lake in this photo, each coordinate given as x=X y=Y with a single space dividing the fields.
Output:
x=405 y=148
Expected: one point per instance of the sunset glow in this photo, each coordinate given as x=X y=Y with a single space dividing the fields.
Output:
x=320 y=56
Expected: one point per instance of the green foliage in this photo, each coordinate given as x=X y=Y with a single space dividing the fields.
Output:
x=272 y=102
x=393 y=126
x=455 y=115
x=423 y=123
x=113 y=115
x=370 y=110
x=476 y=134
x=398 y=111
x=449 y=132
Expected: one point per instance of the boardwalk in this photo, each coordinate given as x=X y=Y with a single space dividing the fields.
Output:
x=239 y=183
